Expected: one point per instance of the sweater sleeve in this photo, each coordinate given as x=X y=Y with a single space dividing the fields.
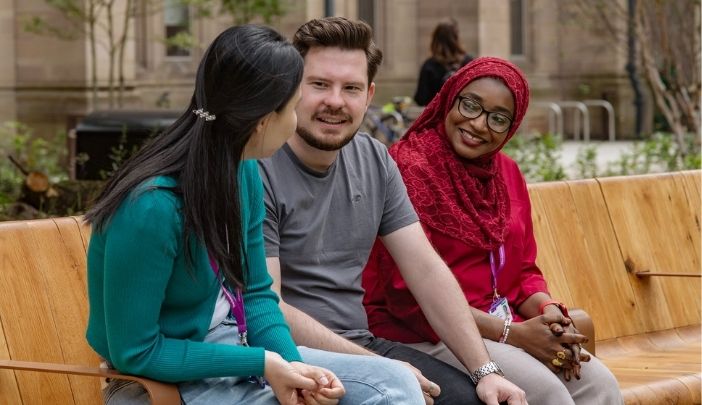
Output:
x=267 y=327
x=141 y=245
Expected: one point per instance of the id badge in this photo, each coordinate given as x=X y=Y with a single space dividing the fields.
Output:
x=500 y=309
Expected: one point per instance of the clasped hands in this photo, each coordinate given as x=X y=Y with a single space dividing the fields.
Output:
x=552 y=339
x=296 y=383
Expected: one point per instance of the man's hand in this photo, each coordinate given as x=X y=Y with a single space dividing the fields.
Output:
x=430 y=389
x=493 y=389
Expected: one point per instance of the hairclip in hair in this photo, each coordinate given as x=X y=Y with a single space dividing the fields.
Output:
x=204 y=114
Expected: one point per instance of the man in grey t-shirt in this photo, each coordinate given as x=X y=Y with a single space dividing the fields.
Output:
x=329 y=192
x=321 y=226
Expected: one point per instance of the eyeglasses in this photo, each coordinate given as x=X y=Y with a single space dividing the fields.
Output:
x=471 y=109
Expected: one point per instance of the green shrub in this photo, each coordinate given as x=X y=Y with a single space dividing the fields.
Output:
x=537 y=156
x=659 y=153
x=586 y=162
x=32 y=154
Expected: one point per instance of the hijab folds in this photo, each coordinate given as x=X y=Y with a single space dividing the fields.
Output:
x=464 y=199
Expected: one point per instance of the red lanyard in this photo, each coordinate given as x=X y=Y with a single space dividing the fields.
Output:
x=236 y=302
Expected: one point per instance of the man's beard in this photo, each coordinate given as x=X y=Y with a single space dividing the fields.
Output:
x=322 y=144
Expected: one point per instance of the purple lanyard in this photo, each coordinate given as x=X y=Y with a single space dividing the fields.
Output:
x=496 y=271
x=236 y=302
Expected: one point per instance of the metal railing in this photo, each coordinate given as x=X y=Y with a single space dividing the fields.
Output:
x=581 y=117
x=610 y=115
x=582 y=108
x=555 y=116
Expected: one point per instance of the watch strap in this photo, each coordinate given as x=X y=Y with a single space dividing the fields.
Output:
x=487 y=368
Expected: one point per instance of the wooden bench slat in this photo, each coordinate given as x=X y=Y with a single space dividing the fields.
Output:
x=84 y=231
x=672 y=364
x=693 y=181
x=653 y=389
x=546 y=233
x=33 y=336
x=651 y=222
x=8 y=383
x=689 y=333
x=671 y=338
x=693 y=385
x=610 y=283
x=577 y=232
x=66 y=251
x=689 y=181
x=658 y=387
x=656 y=341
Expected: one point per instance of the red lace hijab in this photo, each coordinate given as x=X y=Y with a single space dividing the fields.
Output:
x=464 y=199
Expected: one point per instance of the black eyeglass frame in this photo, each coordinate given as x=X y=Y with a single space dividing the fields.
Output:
x=483 y=110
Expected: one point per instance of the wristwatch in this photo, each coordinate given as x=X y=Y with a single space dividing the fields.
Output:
x=487 y=368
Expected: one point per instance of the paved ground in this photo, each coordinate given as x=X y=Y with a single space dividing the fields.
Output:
x=606 y=152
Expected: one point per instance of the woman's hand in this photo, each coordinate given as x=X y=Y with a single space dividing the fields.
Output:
x=329 y=389
x=566 y=326
x=537 y=338
x=286 y=380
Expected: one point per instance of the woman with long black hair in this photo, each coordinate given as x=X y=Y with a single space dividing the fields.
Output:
x=177 y=279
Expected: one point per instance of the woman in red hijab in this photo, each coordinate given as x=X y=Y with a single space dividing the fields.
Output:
x=473 y=203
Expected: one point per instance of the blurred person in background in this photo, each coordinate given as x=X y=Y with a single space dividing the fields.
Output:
x=447 y=56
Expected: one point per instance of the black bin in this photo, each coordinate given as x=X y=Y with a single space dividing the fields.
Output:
x=102 y=135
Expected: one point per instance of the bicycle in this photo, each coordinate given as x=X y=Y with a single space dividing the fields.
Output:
x=389 y=122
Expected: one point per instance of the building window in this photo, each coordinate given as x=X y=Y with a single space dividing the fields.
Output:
x=141 y=35
x=366 y=12
x=517 y=27
x=176 y=19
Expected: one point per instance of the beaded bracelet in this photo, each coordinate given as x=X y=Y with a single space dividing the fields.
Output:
x=505 y=331
x=560 y=306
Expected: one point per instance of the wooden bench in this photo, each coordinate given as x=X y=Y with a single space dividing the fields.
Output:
x=627 y=251
x=44 y=357
x=593 y=236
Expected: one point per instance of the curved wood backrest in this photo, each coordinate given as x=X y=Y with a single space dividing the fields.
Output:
x=656 y=220
x=586 y=231
x=44 y=357
x=43 y=311
x=582 y=244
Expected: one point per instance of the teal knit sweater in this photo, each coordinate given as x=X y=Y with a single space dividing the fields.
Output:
x=150 y=310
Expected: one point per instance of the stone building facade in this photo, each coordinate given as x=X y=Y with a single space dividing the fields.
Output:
x=45 y=80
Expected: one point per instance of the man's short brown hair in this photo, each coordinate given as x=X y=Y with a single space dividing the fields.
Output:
x=342 y=33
